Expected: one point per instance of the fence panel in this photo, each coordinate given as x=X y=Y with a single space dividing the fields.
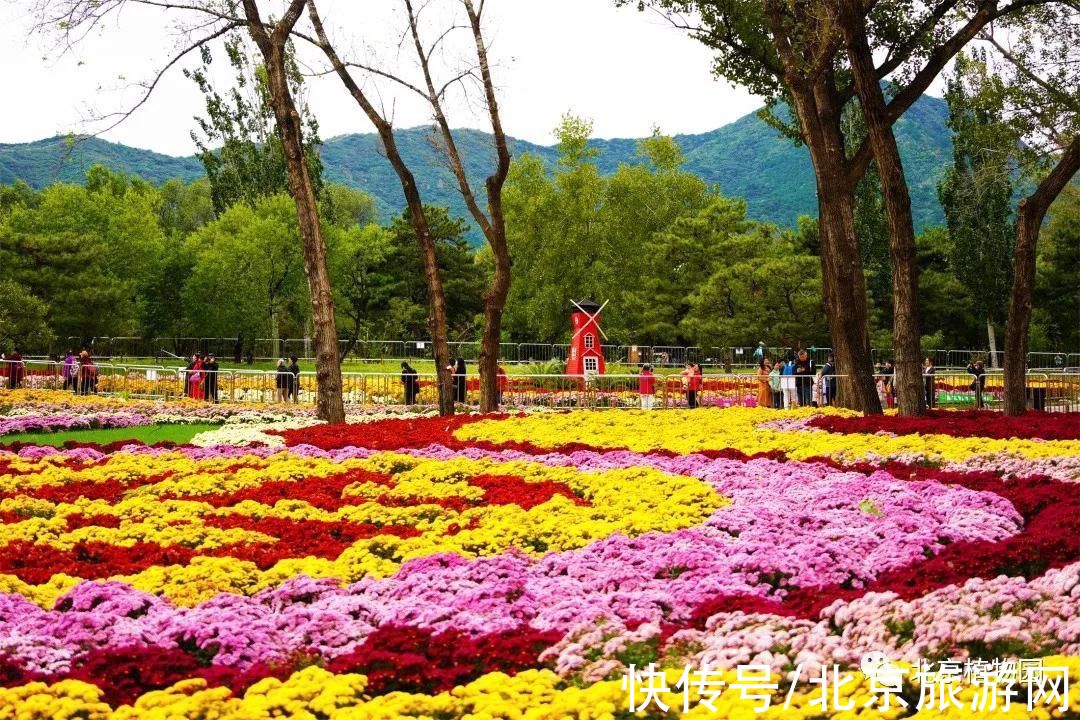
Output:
x=640 y=355
x=535 y=352
x=1061 y=392
x=940 y=357
x=820 y=355
x=469 y=350
x=33 y=374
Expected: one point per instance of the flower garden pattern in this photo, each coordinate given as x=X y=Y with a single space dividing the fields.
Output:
x=513 y=566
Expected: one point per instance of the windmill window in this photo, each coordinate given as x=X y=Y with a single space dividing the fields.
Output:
x=591 y=365
x=589 y=341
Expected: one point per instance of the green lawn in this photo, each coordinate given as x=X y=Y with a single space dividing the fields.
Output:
x=148 y=434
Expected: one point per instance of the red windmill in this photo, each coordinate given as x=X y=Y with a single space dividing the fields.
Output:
x=586 y=353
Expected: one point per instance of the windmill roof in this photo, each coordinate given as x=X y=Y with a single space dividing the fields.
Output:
x=589 y=306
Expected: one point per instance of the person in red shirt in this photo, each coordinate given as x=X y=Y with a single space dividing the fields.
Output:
x=692 y=382
x=647 y=387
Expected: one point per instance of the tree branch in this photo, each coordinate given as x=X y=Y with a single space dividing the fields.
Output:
x=457 y=167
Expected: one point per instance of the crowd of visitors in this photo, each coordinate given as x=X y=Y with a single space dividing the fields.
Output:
x=793 y=380
x=287 y=380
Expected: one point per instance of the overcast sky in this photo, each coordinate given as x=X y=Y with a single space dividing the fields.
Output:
x=626 y=70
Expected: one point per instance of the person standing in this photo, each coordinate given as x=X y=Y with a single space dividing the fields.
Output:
x=759 y=353
x=890 y=384
x=928 y=382
x=774 y=384
x=764 y=393
x=69 y=370
x=211 y=367
x=86 y=375
x=787 y=383
x=410 y=383
x=828 y=380
x=195 y=378
x=804 y=378
x=458 y=372
x=282 y=378
x=647 y=387
x=979 y=382
x=188 y=370
x=16 y=369
x=294 y=386
x=692 y=383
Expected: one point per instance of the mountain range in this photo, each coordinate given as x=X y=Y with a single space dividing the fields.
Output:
x=746 y=158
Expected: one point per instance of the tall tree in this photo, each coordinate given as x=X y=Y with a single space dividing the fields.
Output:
x=855 y=23
x=977 y=191
x=490 y=220
x=799 y=53
x=22 y=320
x=575 y=233
x=207 y=21
x=273 y=43
x=246 y=275
x=88 y=252
x=413 y=201
x=1041 y=96
x=1058 y=287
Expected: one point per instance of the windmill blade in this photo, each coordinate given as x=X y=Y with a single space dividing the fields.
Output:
x=592 y=318
x=604 y=305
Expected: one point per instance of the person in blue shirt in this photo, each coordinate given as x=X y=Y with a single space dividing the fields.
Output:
x=787 y=382
x=759 y=353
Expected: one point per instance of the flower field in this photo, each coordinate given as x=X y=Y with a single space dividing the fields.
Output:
x=514 y=566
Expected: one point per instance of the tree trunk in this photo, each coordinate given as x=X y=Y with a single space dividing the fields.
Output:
x=494 y=302
x=902 y=257
x=1029 y=219
x=275 y=333
x=440 y=340
x=843 y=282
x=845 y=298
x=992 y=342
x=330 y=404
x=417 y=217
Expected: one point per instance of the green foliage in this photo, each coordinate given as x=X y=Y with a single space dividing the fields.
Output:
x=760 y=286
x=238 y=142
x=679 y=261
x=1057 y=290
x=871 y=226
x=575 y=233
x=247 y=272
x=347 y=207
x=88 y=252
x=463 y=279
x=944 y=302
x=22 y=318
x=977 y=190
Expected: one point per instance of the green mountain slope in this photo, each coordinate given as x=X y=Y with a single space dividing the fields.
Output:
x=746 y=158
x=63 y=159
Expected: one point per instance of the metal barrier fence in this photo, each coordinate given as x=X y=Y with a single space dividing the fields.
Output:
x=1049 y=391
x=124 y=348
